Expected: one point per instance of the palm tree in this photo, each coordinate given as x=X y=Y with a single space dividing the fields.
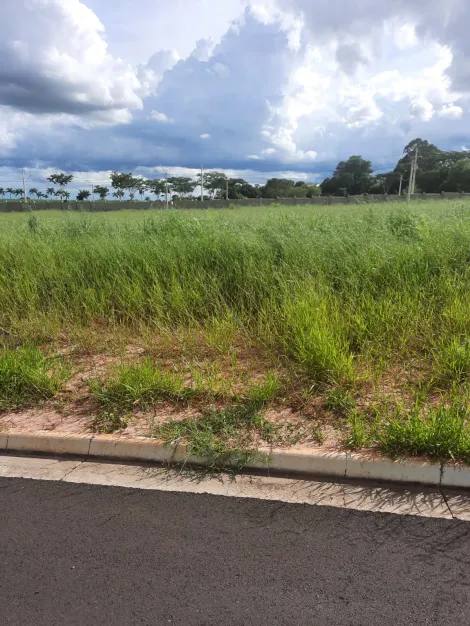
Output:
x=50 y=191
x=34 y=192
x=2 y=192
x=83 y=194
x=118 y=194
x=18 y=192
x=10 y=191
x=102 y=191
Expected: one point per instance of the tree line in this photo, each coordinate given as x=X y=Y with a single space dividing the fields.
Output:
x=438 y=171
x=216 y=185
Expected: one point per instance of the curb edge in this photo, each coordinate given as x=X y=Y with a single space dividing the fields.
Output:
x=306 y=461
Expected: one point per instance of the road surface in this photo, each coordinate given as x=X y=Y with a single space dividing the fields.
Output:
x=90 y=554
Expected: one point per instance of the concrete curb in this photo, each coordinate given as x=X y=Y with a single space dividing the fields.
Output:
x=305 y=461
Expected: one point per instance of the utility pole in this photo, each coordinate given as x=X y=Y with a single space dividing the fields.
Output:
x=401 y=183
x=166 y=190
x=202 y=183
x=24 y=185
x=414 y=167
x=226 y=189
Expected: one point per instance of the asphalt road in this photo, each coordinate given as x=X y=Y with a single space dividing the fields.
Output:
x=83 y=554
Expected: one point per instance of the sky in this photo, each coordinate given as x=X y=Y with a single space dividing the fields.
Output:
x=254 y=88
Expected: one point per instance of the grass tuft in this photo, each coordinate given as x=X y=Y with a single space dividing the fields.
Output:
x=107 y=423
x=222 y=437
x=339 y=401
x=138 y=386
x=444 y=433
x=28 y=377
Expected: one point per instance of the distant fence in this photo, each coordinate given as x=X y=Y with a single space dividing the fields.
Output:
x=115 y=205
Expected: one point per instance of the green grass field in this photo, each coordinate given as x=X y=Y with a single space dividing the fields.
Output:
x=361 y=313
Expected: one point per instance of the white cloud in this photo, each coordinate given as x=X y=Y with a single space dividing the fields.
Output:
x=151 y=73
x=422 y=109
x=366 y=21
x=252 y=176
x=451 y=112
x=161 y=117
x=292 y=82
x=55 y=60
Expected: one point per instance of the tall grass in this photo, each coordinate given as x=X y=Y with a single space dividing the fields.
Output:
x=326 y=288
x=28 y=376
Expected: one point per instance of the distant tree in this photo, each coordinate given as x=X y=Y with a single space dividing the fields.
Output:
x=122 y=182
x=458 y=178
x=313 y=190
x=18 y=192
x=66 y=194
x=10 y=191
x=156 y=186
x=141 y=187
x=60 y=179
x=239 y=189
x=83 y=194
x=182 y=185
x=102 y=191
x=215 y=183
x=34 y=192
x=148 y=199
x=2 y=192
x=351 y=177
x=50 y=191
x=119 y=194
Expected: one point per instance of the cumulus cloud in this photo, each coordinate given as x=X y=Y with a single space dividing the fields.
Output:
x=55 y=60
x=443 y=22
x=161 y=117
x=151 y=73
x=291 y=85
x=451 y=112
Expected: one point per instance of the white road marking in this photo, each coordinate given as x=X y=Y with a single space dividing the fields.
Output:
x=420 y=502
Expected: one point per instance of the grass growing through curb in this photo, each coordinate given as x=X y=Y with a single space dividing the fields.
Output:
x=27 y=377
x=108 y=422
x=222 y=437
x=444 y=433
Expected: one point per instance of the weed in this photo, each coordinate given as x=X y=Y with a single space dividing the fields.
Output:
x=27 y=376
x=138 y=386
x=264 y=393
x=108 y=423
x=443 y=433
x=361 y=431
x=452 y=362
x=221 y=437
x=339 y=401
x=33 y=223
x=404 y=224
